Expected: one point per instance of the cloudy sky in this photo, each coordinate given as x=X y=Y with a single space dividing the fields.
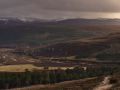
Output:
x=53 y=9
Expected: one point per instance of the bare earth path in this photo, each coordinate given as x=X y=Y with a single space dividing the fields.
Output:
x=104 y=85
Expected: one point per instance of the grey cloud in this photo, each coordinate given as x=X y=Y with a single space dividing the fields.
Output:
x=71 y=5
x=56 y=8
x=75 y=5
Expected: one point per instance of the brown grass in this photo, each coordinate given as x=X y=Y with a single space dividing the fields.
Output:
x=83 y=84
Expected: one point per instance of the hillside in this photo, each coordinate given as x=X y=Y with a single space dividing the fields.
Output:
x=98 y=47
x=83 y=84
x=106 y=83
x=16 y=32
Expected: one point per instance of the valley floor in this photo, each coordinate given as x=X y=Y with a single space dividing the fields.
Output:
x=83 y=84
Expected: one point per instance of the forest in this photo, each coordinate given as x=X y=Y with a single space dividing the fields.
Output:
x=27 y=78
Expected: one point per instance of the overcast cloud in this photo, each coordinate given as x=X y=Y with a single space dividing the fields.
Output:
x=58 y=8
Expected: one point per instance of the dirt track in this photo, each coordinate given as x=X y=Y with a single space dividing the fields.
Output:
x=104 y=85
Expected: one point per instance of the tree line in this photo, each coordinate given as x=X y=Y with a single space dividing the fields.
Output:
x=27 y=78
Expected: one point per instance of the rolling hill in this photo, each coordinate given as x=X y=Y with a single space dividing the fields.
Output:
x=103 y=48
x=14 y=31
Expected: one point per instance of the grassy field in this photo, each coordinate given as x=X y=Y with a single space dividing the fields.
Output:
x=18 y=68
x=30 y=67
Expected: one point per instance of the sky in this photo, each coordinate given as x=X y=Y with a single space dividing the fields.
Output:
x=60 y=9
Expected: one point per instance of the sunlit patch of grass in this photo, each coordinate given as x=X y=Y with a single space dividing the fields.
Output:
x=30 y=67
x=18 y=68
x=62 y=68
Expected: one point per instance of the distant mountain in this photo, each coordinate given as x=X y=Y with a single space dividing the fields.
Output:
x=21 y=21
x=80 y=21
x=90 y=21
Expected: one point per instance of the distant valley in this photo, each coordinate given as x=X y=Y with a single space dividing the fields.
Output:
x=44 y=52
